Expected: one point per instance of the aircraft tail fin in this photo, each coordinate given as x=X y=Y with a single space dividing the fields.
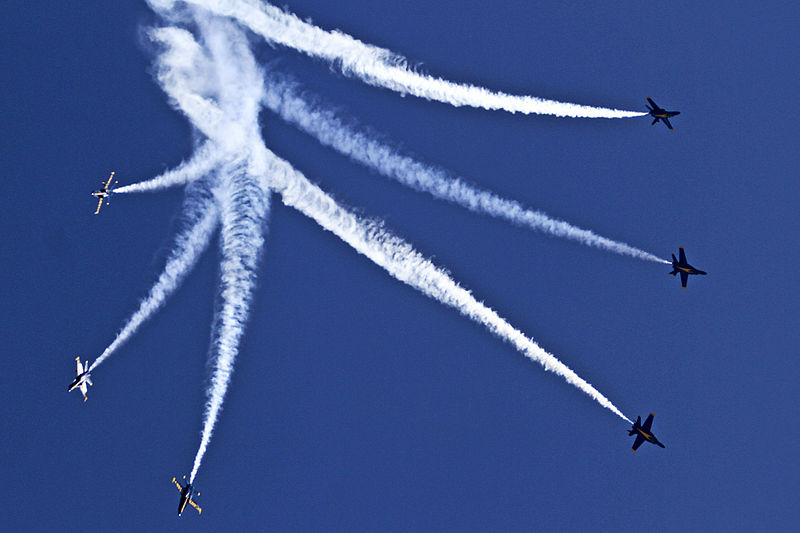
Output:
x=636 y=425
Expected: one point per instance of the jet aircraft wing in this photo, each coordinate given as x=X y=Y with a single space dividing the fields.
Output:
x=99 y=205
x=111 y=177
x=652 y=103
x=666 y=121
x=80 y=366
x=84 y=390
x=681 y=253
x=648 y=423
x=199 y=510
x=638 y=442
x=684 y=278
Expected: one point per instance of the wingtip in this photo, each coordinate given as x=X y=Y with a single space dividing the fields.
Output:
x=652 y=414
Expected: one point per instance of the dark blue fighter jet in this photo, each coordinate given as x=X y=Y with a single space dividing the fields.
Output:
x=660 y=114
x=680 y=266
x=643 y=432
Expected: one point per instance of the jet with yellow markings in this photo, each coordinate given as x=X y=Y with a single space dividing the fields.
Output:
x=83 y=378
x=186 y=496
x=680 y=266
x=660 y=114
x=104 y=192
x=643 y=432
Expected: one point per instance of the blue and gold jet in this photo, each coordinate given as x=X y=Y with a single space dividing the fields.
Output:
x=643 y=432
x=660 y=114
x=683 y=268
x=186 y=496
x=103 y=193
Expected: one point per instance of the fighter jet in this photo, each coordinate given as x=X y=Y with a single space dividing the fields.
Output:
x=82 y=379
x=683 y=268
x=104 y=192
x=660 y=114
x=186 y=496
x=643 y=432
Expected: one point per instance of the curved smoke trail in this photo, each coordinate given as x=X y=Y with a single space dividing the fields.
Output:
x=199 y=164
x=306 y=113
x=381 y=67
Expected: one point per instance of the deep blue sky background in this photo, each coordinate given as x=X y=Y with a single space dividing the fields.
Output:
x=358 y=404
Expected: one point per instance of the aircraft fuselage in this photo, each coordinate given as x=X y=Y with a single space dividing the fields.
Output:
x=80 y=380
x=186 y=495
x=664 y=114
x=649 y=437
x=689 y=269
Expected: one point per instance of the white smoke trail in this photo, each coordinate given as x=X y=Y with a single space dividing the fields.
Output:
x=201 y=218
x=244 y=208
x=381 y=67
x=308 y=114
x=236 y=85
x=405 y=264
x=201 y=163
x=189 y=78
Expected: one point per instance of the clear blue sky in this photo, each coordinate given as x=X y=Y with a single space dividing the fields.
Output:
x=357 y=403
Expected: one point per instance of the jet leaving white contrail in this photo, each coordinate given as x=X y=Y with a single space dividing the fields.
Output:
x=201 y=217
x=283 y=98
x=381 y=67
x=407 y=265
x=202 y=161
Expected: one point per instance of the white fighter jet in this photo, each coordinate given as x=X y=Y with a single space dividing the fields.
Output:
x=82 y=378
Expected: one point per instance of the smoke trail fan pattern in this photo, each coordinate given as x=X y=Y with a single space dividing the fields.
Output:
x=213 y=79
